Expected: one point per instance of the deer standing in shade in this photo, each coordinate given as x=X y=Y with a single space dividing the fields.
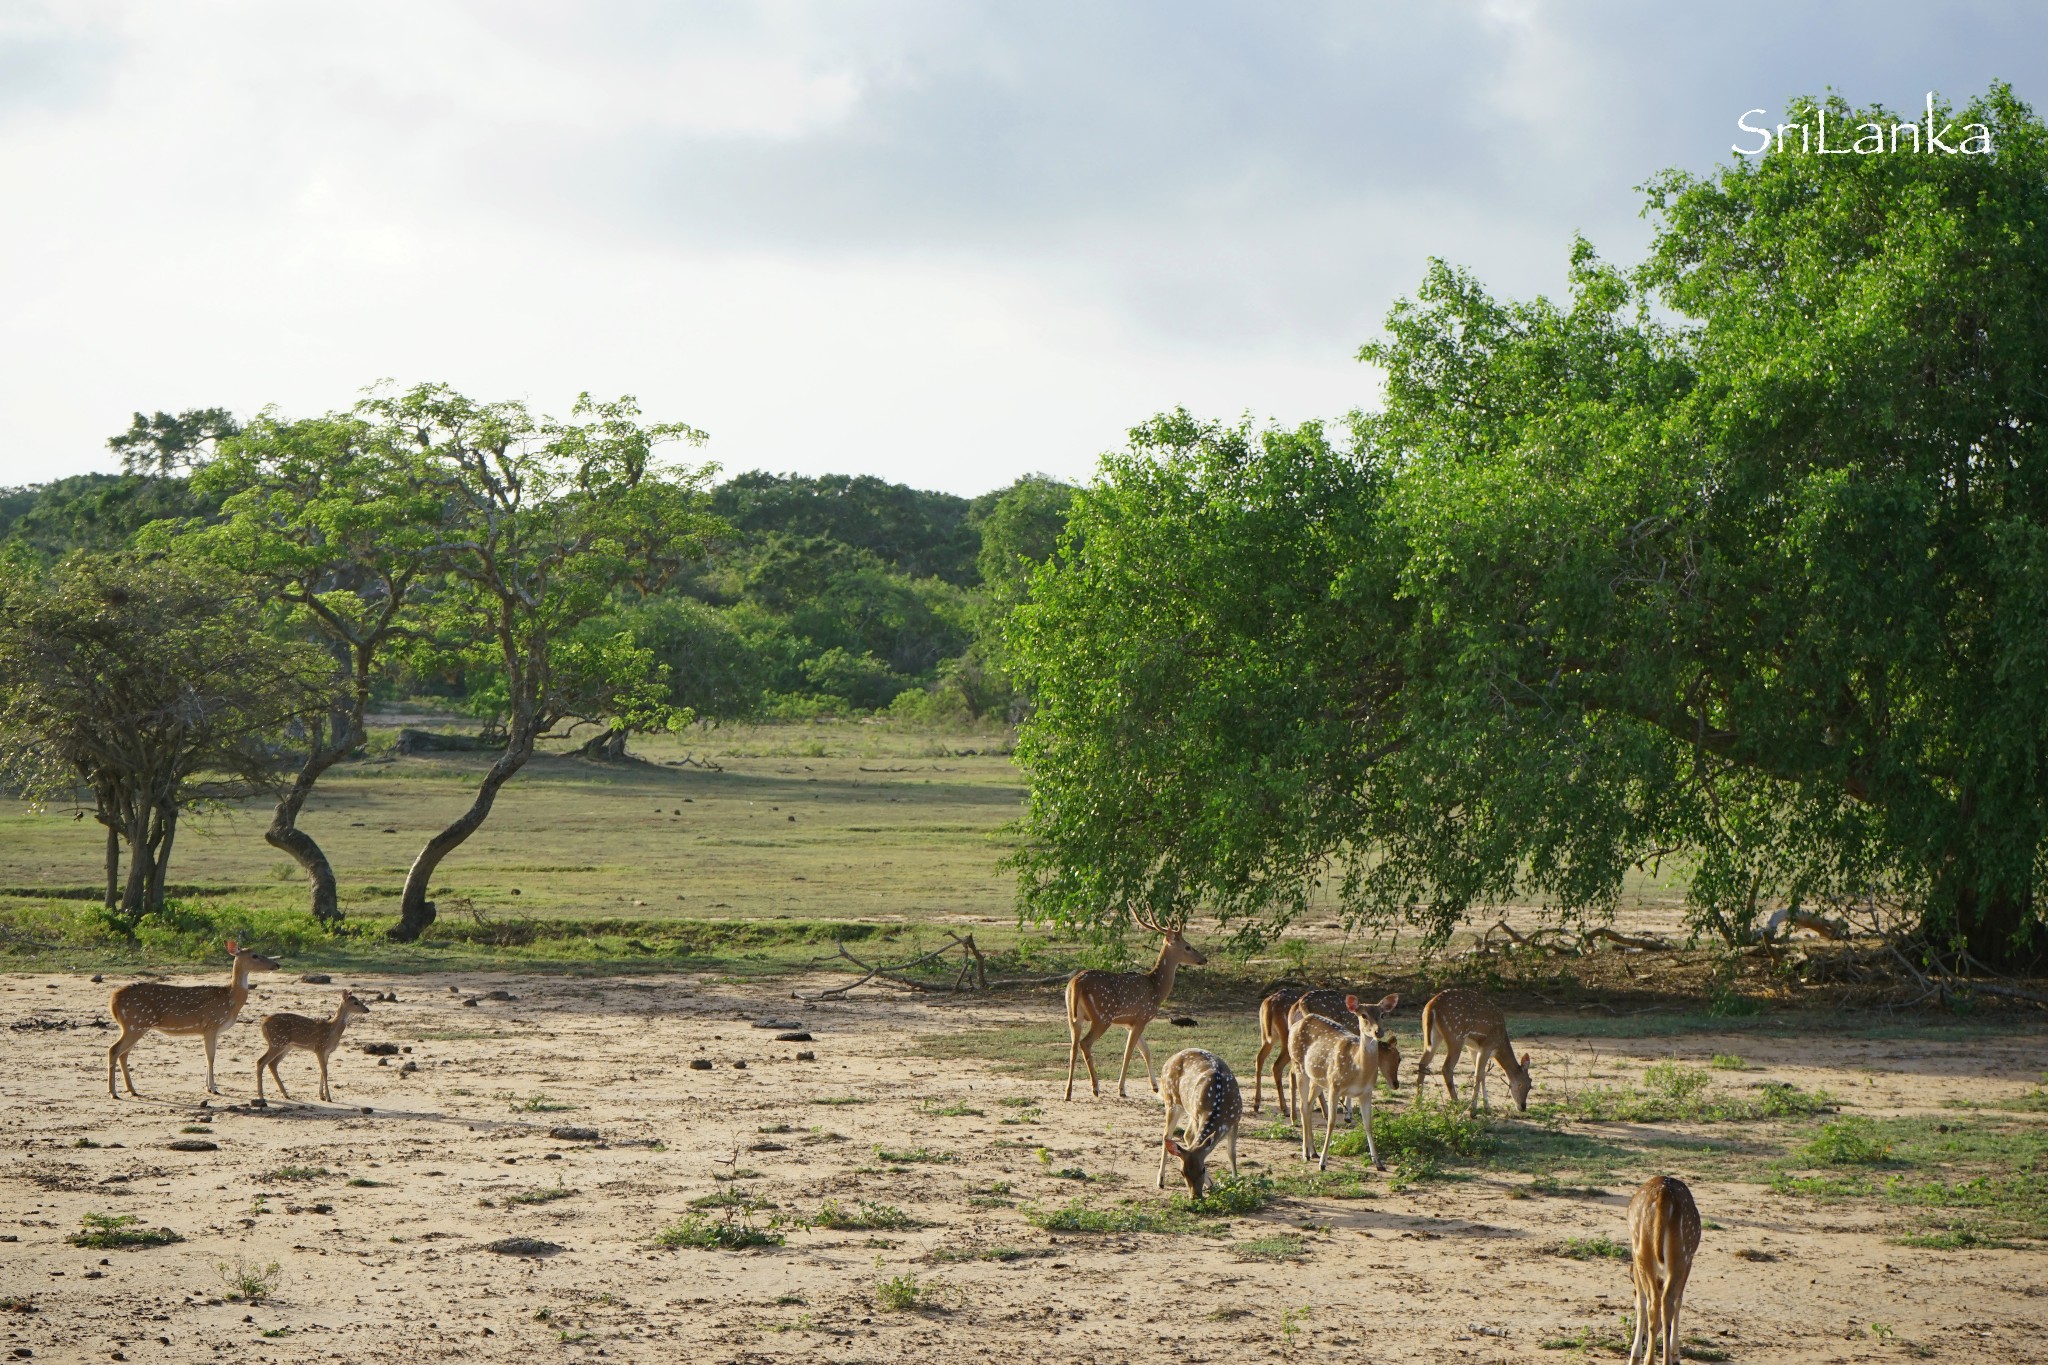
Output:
x=283 y=1032
x=1276 y=1018
x=1663 y=1237
x=1456 y=1017
x=1132 y=999
x=1202 y=1096
x=141 y=1006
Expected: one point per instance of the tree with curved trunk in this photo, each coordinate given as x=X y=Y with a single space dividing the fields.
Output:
x=336 y=526
x=543 y=524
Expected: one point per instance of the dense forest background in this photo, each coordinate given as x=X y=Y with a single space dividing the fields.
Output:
x=833 y=595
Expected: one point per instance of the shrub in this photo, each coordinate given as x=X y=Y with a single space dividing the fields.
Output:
x=107 y=1230
x=1848 y=1142
x=706 y=1234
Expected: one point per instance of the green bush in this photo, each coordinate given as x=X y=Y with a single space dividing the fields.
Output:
x=104 y=1231
x=1847 y=1142
x=706 y=1234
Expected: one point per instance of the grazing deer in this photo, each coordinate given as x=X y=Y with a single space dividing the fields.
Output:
x=283 y=1032
x=1276 y=1010
x=1132 y=999
x=1663 y=1235
x=141 y=1006
x=1202 y=1097
x=1334 y=1064
x=1456 y=1017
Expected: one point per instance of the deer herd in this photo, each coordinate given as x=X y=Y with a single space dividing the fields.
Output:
x=1328 y=1049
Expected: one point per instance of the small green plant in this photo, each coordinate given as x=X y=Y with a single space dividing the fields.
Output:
x=1589 y=1249
x=955 y=1110
x=102 y=1231
x=16 y=1303
x=1018 y=1102
x=715 y=1234
x=196 y=1128
x=1847 y=1142
x=1588 y=1339
x=545 y=1194
x=906 y=1156
x=863 y=1217
x=277 y=1332
x=536 y=1103
x=1728 y=1061
x=1291 y=1320
x=900 y=1294
x=839 y=1099
x=287 y=1173
x=245 y=1282
x=1680 y=1083
x=1232 y=1196
x=83 y=1142
x=364 y=1183
x=1284 y=1246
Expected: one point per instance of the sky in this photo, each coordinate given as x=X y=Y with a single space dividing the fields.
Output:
x=947 y=243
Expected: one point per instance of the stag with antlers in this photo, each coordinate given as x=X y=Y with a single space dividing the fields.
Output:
x=1132 y=999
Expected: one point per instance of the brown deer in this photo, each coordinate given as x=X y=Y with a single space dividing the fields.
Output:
x=1202 y=1097
x=1275 y=1010
x=141 y=1006
x=283 y=1032
x=1334 y=1064
x=1132 y=999
x=1663 y=1236
x=1456 y=1017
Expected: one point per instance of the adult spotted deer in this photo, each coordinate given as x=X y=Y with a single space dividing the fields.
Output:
x=1663 y=1236
x=1456 y=1017
x=1276 y=1009
x=205 y=1010
x=1334 y=1064
x=1132 y=999
x=283 y=1032
x=1203 y=1099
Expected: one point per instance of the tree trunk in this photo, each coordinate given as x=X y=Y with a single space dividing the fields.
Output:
x=415 y=911
x=1998 y=930
x=285 y=835
x=113 y=866
x=136 y=837
x=607 y=746
x=160 y=864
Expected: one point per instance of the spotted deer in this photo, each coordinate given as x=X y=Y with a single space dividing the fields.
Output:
x=283 y=1032
x=1334 y=1064
x=1456 y=1017
x=1202 y=1098
x=141 y=1006
x=1663 y=1236
x=1132 y=999
x=1275 y=1010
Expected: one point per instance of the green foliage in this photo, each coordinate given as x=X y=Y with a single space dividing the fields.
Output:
x=1420 y=1136
x=900 y=1294
x=1590 y=1249
x=104 y=1231
x=1683 y=1096
x=1740 y=554
x=246 y=1281
x=1847 y=1142
x=294 y=1173
x=865 y=1216
x=1285 y=1246
x=697 y=1232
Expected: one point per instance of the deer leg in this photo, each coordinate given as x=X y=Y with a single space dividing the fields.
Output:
x=1365 y=1117
x=1674 y=1298
x=127 y=1078
x=277 y=1075
x=1130 y=1043
x=1233 y=1149
x=1642 y=1332
x=324 y=1093
x=1451 y=1051
x=1259 y=1076
x=1479 y=1082
x=1170 y=1116
x=1145 y=1051
x=1096 y=1029
x=119 y=1053
x=211 y=1040
x=260 y=1061
x=1280 y=1093
x=1329 y=1126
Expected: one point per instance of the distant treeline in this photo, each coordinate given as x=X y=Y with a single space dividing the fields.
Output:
x=827 y=595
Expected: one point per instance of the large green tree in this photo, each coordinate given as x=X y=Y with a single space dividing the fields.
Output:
x=1740 y=557
x=543 y=525
x=152 y=686
x=334 y=521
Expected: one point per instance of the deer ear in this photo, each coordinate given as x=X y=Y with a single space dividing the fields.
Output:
x=1351 y=1003
x=232 y=949
x=1525 y=1061
x=1390 y=1004
x=1174 y=1147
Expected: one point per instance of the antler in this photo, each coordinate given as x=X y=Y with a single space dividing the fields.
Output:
x=1152 y=922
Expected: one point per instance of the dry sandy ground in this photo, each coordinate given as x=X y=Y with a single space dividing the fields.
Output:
x=399 y=1270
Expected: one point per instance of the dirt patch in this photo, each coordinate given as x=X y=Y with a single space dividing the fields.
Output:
x=883 y=1203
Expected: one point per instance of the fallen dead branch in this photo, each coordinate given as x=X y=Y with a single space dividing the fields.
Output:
x=971 y=962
